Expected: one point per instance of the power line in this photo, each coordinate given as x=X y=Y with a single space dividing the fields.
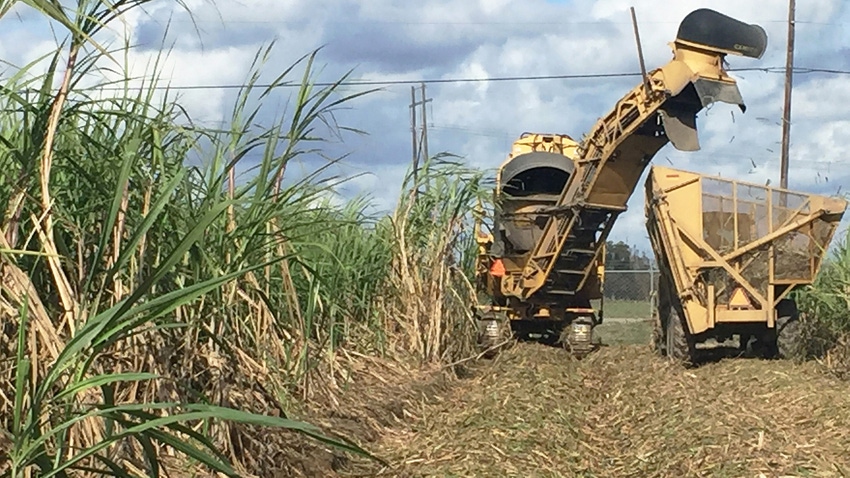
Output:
x=397 y=82
x=459 y=23
x=464 y=80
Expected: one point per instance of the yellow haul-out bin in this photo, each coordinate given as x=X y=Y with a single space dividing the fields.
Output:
x=730 y=253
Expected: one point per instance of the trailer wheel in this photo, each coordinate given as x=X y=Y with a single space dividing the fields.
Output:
x=658 y=339
x=656 y=342
x=788 y=333
x=678 y=346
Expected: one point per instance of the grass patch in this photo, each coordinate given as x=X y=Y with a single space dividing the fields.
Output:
x=624 y=332
x=626 y=309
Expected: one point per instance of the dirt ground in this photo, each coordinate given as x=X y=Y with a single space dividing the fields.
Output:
x=535 y=412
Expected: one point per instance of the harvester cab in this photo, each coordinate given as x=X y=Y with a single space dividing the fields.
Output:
x=556 y=199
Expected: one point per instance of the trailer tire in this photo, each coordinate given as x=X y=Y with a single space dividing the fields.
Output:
x=658 y=339
x=678 y=345
x=788 y=331
x=656 y=342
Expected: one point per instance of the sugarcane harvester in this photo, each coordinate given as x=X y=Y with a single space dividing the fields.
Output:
x=556 y=199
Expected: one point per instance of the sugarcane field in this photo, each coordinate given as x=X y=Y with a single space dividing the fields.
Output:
x=437 y=239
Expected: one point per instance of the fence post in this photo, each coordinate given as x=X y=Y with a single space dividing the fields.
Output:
x=653 y=292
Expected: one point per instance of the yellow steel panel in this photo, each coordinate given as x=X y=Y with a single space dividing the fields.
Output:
x=683 y=199
x=696 y=315
x=738 y=316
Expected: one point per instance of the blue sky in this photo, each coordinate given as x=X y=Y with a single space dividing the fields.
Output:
x=445 y=39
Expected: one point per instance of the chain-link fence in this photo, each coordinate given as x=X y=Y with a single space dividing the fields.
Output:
x=630 y=294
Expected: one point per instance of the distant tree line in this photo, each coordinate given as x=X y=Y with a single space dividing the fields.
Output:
x=620 y=256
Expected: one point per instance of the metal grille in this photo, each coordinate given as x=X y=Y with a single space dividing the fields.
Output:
x=630 y=294
x=736 y=215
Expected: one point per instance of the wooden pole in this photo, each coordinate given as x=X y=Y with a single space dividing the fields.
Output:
x=786 y=114
x=413 y=132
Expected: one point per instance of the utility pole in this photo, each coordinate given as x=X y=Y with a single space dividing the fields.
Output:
x=424 y=124
x=413 y=131
x=786 y=115
x=419 y=142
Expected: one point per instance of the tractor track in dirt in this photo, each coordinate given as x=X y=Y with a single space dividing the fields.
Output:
x=625 y=412
x=535 y=412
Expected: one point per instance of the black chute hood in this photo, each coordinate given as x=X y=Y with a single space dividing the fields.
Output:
x=719 y=32
x=706 y=29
